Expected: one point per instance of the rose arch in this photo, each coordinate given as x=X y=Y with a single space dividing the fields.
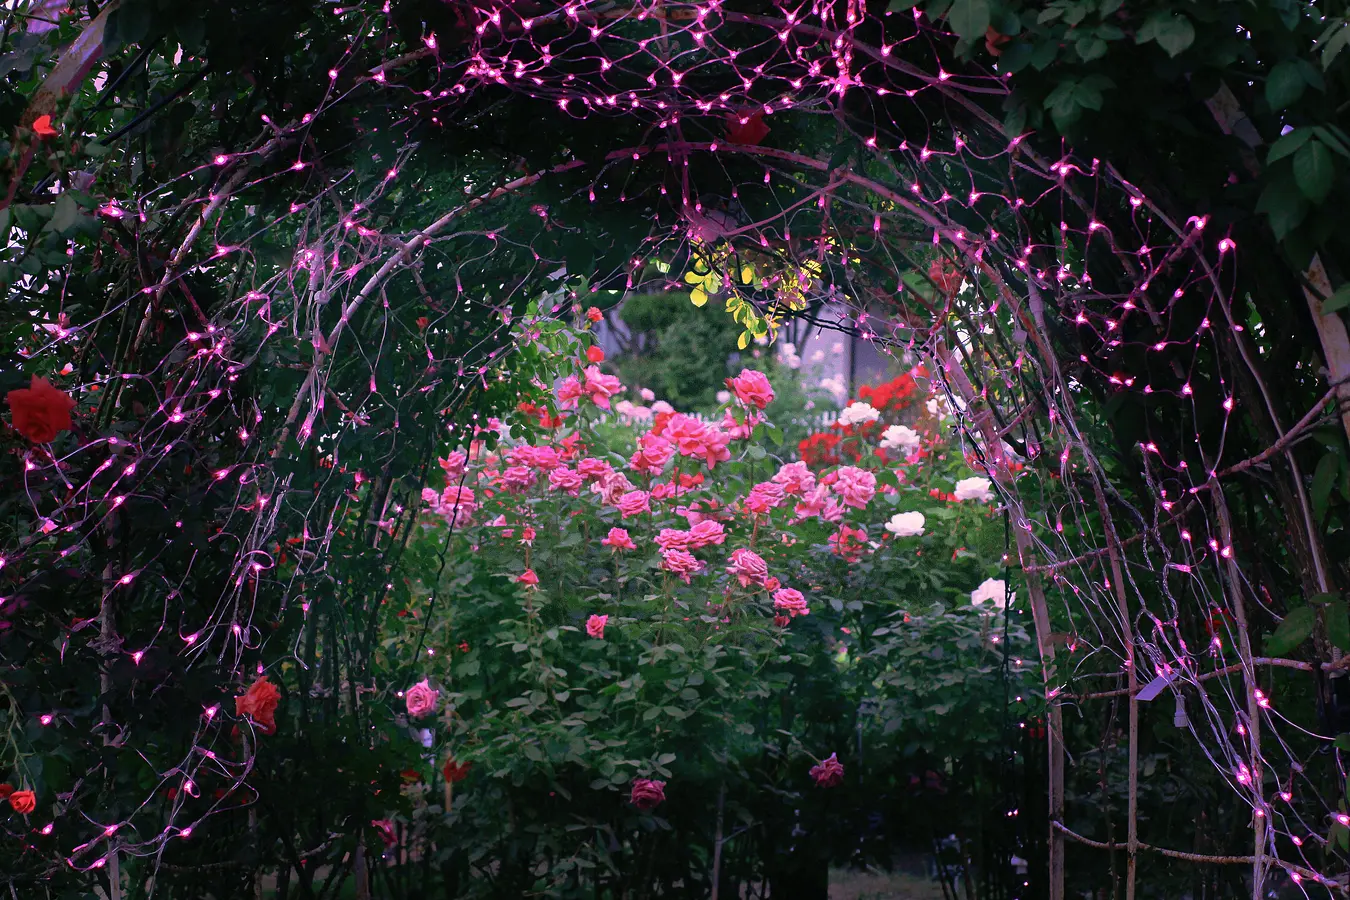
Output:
x=235 y=372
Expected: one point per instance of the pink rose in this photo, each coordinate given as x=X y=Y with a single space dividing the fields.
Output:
x=590 y=468
x=653 y=453
x=795 y=478
x=454 y=465
x=546 y=458
x=619 y=540
x=748 y=567
x=565 y=479
x=687 y=432
x=612 y=487
x=791 y=601
x=601 y=387
x=595 y=626
x=421 y=699
x=763 y=497
x=569 y=392
x=715 y=448
x=633 y=503
x=752 y=388
x=828 y=772
x=671 y=539
x=518 y=477
x=527 y=578
x=456 y=504
x=681 y=563
x=735 y=428
x=812 y=503
x=646 y=793
x=694 y=438
x=848 y=542
x=664 y=491
x=706 y=533
x=856 y=487
x=771 y=583
x=782 y=621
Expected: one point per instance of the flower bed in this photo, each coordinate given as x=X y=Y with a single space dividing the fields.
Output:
x=627 y=617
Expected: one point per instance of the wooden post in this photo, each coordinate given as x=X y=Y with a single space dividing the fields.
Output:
x=1132 y=683
x=1040 y=612
x=1234 y=579
x=1331 y=331
x=1054 y=730
x=717 y=841
x=108 y=642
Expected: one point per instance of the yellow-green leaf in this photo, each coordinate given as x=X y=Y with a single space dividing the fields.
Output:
x=698 y=297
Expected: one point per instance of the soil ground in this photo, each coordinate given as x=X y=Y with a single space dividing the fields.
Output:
x=873 y=885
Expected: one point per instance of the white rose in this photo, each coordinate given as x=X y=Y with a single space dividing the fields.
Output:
x=974 y=488
x=859 y=413
x=899 y=437
x=992 y=590
x=907 y=524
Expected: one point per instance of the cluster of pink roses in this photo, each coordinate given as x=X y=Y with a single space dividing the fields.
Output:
x=564 y=469
x=455 y=504
x=594 y=384
x=694 y=438
x=798 y=493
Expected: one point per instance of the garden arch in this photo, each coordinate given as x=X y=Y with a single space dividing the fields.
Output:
x=1113 y=345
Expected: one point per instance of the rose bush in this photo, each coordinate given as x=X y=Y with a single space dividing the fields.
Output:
x=645 y=632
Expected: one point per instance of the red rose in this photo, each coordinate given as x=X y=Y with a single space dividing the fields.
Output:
x=5 y=791
x=23 y=801
x=945 y=275
x=993 y=41
x=746 y=130
x=646 y=794
x=594 y=314
x=260 y=702
x=595 y=354
x=40 y=412
x=455 y=772
x=42 y=127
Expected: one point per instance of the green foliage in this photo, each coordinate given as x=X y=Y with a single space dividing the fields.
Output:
x=696 y=684
x=680 y=352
